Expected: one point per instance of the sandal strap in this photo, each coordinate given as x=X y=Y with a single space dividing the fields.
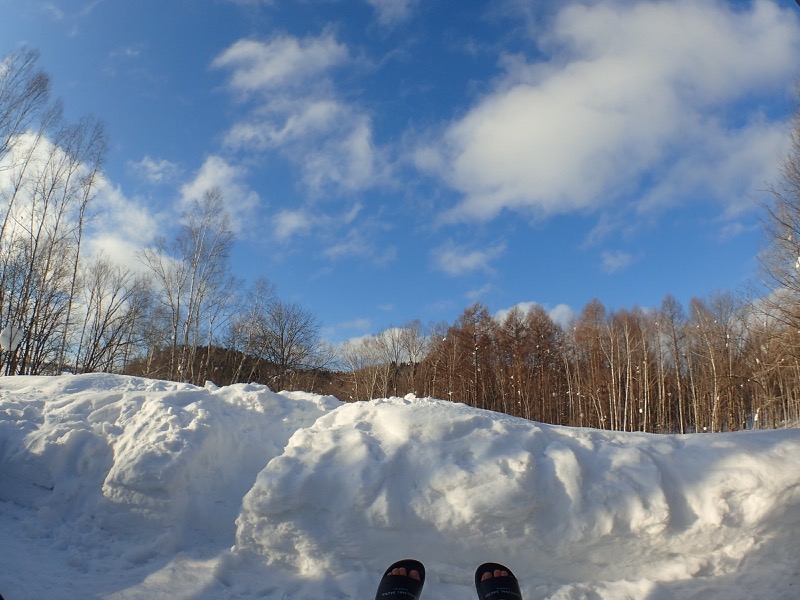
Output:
x=401 y=587
x=497 y=588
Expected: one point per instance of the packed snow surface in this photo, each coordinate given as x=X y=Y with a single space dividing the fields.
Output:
x=119 y=487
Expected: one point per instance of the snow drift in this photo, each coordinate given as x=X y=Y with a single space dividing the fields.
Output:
x=118 y=487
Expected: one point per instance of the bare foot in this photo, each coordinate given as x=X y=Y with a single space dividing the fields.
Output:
x=495 y=573
x=413 y=574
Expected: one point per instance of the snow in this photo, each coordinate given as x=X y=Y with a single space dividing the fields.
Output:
x=11 y=338
x=123 y=488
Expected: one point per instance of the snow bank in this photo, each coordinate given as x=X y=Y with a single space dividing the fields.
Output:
x=136 y=468
x=117 y=487
x=572 y=510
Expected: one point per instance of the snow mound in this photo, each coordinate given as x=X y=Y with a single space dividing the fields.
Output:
x=120 y=487
x=573 y=510
x=149 y=466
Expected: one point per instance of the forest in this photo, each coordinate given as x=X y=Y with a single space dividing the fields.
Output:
x=727 y=362
x=722 y=366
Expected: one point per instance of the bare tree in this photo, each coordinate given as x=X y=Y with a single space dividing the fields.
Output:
x=167 y=317
x=360 y=363
x=193 y=280
x=415 y=343
x=291 y=340
x=85 y=143
x=24 y=95
x=774 y=370
x=780 y=260
x=388 y=346
x=673 y=319
x=246 y=332
x=590 y=375
x=49 y=174
x=716 y=345
x=545 y=367
x=114 y=303
x=45 y=219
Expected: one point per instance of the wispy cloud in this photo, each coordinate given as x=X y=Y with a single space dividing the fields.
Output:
x=477 y=294
x=132 y=51
x=459 y=260
x=335 y=236
x=392 y=11
x=360 y=324
x=289 y=223
x=284 y=61
x=156 y=171
x=252 y=3
x=73 y=18
x=616 y=260
x=53 y=11
x=296 y=110
x=358 y=243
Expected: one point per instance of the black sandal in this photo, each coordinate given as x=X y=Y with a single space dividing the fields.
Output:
x=401 y=587
x=497 y=588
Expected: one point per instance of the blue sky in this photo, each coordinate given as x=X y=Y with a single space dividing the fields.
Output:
x=387 y=160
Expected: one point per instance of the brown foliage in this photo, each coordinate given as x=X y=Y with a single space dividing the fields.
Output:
x=631 y=370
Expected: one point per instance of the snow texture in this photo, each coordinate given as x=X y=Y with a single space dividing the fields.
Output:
x=128 y=488
x=11 y=338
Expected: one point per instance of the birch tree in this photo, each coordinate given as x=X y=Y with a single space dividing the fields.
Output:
x=48 y=177
x=192 y=278
x=780 y=259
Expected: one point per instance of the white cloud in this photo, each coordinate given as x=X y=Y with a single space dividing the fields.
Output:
x=349 y=159
x=561 y=314
x=458 y=260
x=123 y=226
x=131 y=220
x=298 y=121
x=358 y=243
x=131 y=51
x=118 y=225
x=155 y=170
x=338 y=236
x=629 y=90
x=284 y=61
x=297 y=111
x=731 y=230
x=363 y=323
x=502 y=314
x=239 y=199
x=288 y=223
x=613 y=261
x=53 y=11
x=360 y=324
x=729 y=166
x=252 y=2
x=117 y=250
x=392 y=11
x=74 y=17
x=476 y=294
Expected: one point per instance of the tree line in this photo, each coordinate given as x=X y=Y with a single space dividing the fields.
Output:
x=720 y=364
